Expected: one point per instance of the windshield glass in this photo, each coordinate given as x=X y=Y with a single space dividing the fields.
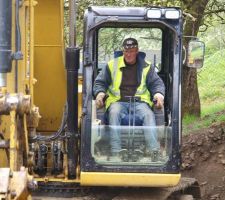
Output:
x=128 y=122
x=134 y=150
x=110 y=43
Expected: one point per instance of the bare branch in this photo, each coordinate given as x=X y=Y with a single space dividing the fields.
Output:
x=215 y=11
x=190 y=16
x=204 y=27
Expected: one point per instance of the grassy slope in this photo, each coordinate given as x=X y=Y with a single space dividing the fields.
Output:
x=211 y=80
x=211 y=83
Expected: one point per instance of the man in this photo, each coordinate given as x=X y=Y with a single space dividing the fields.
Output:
x=125 y=76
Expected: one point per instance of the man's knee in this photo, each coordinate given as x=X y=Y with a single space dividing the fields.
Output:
x=149 y=118
x=149 y=114
x=114 y=109
x=144 y=112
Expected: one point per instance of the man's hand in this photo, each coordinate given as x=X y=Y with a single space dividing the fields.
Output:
x=159 y=100
x=99 y=99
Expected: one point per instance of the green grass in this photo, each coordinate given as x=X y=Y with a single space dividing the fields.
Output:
x=188 y=119
x=221 y=118
x=211 y=79
x=191 y=123
x=211 y=84
x=214 y=108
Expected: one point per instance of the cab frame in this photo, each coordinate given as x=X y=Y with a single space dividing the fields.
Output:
x=99 y=17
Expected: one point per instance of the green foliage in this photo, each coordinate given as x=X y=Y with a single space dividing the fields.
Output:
x=212 y=94
x=214 y=38
x=148 y=39
x=205 y=12
x=186 y=6
x=213 y=15
x=82 y=5
x=211 y=79
x=211 y=82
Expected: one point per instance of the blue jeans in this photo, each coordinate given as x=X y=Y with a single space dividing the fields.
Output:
x=119 y=110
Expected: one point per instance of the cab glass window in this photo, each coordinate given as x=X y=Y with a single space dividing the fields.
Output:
x=110 y=43
x=131 y=137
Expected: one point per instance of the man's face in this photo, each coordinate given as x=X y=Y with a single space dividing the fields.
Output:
x=130 y=55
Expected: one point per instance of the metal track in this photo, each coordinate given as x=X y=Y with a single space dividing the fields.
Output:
x=70 y=190
x=58 y=189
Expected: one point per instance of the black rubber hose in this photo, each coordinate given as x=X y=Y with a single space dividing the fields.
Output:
x=5 y=36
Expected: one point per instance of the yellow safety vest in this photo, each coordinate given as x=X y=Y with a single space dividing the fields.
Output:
x=115 y=66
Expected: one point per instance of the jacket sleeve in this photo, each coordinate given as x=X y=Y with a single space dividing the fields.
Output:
x=154 y=83
x=102 y=81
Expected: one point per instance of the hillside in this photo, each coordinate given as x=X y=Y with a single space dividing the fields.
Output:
x=211 y=80
x=203 y=147
x=203 y=154
x=211 y=86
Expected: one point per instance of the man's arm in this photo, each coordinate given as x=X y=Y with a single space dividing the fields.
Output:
x=101 y=85
x=156 y=87
x=102 y=81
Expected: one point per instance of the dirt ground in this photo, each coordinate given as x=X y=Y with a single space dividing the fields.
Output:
x=203 y=155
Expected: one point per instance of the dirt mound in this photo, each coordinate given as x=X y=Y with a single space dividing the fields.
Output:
x=203 y=154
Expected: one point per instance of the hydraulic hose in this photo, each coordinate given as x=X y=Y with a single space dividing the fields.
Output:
x=72 y=66
x=18 y=54
x=5 y=36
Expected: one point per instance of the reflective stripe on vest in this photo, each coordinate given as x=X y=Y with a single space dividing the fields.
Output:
x=116 y=76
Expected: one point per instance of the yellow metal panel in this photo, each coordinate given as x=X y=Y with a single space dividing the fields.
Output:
x=5 y=121
x=31 y=49
x=48 y=24
x=50 y=89
x=129 y=179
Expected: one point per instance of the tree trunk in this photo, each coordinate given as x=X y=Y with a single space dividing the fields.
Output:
x=190 y=94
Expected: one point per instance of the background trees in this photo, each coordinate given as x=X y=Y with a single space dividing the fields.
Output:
x=199 y=15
